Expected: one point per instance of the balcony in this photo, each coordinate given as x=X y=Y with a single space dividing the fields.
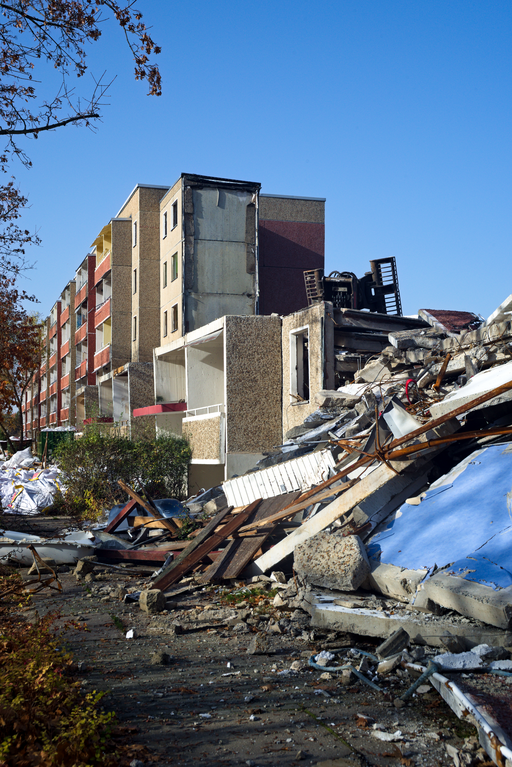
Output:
x=81 y=295
x=64 y=349
x=102 y=268
x=64 y=317
x=81 y=333
x=53 y=417
x=53 y=330
x=102 y=357
x=64 y=381
x=102 y=313
x=42 y=422
x=64 y=414
x=53 y=388
x=52 y=360
x=81 y=370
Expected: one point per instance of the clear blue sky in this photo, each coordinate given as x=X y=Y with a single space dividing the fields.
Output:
x=397 y=112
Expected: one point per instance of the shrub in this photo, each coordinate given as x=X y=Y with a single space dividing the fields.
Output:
x=92 y=465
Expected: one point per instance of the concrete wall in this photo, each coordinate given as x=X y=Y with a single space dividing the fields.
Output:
x=170 y=384
x=253 y=380
x=319 y=324
x=291 y=240
x=220 y=232
x=205 y=374
x=170 y=244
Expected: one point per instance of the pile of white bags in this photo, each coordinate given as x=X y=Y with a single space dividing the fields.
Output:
x=24 y=490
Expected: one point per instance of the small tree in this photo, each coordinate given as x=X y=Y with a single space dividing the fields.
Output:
x=20 y=346
x=92 y=465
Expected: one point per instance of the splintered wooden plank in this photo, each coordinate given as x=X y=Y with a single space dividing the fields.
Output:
x=151 y=510
x=198 y=539
x=121 y=515
x=192 y=559
x=239 y=552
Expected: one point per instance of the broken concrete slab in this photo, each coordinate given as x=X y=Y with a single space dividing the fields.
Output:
x=426 y=338
x=504 y=309
x=327 y=398
x=332 y=560
x=481 y=383
x=462 y=530
x=423 y=630
x=468 y=598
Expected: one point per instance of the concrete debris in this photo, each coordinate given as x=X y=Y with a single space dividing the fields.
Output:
x=332 y=560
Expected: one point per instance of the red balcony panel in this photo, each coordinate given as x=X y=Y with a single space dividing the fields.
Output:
x=53 y=330
x=80 y=370
x=81 y=295
x=64 y=381
x=102 y=357
x=53 y=388
x=64 y=349
x=102 y=269
x=53 y=417
x=102 y=314
x=52 y=360
x=64 y=414
x=81 y=333
x=64 y=317
x=42 y=422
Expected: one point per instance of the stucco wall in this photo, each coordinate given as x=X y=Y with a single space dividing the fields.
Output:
x=204 y=436
x=253 y=383
x=314 y=318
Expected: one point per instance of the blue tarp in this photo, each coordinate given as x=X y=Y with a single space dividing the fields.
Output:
x=464 y=522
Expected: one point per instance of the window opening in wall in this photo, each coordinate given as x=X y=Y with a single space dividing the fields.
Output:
x=135 y=328
x=299 y=359
x=134 y=233
x=164 y=330
x=164 y=276
x=134 y=280
x=175 y=214
x=174 y=318
x=174 y=267
x=164 y=224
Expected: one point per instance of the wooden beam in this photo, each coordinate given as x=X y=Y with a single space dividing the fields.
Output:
x=188 y=562
x=121 y=515
x=151 y=510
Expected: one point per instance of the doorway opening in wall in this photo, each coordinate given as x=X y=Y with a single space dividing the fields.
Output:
x=299 y=365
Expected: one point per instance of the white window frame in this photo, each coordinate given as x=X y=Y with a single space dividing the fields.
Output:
x=299 y=378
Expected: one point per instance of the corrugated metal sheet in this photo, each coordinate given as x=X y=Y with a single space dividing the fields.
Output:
x=297 y=474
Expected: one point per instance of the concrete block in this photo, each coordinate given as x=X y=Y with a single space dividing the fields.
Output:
x=152 y=601
x=373 y=371
x=327 y=398
x=424 y=338
x=394 y=581
x=333 y=561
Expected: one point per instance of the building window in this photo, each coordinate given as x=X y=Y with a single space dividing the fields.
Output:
x=175 y=214
x=174 y=267
x=135 y=328
x=134 y=280
x=164 y=276
x=164 y=224
x=299 y=365
x=165 y=325
x=174 y=318
x=134 y=233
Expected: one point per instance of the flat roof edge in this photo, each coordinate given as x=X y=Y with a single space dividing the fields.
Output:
x=140 y=186
x=293 y=197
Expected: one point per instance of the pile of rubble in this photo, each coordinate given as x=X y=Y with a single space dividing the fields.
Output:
x=389 y=508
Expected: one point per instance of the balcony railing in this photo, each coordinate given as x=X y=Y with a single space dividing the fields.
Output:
x=207 y=410
x=102 y=268
x=81 y=295
x=81 y=370
x=81 y=333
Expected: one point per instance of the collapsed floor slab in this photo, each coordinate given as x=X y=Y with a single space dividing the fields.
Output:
x=423 y=630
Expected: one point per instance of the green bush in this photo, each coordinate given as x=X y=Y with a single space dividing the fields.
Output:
x=92 y=465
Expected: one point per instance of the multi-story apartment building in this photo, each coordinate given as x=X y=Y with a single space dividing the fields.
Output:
x=173 y=261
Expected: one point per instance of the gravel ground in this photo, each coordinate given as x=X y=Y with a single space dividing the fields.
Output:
x=198 y=697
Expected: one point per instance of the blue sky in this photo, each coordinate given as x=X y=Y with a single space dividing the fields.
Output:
x=397 y=112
